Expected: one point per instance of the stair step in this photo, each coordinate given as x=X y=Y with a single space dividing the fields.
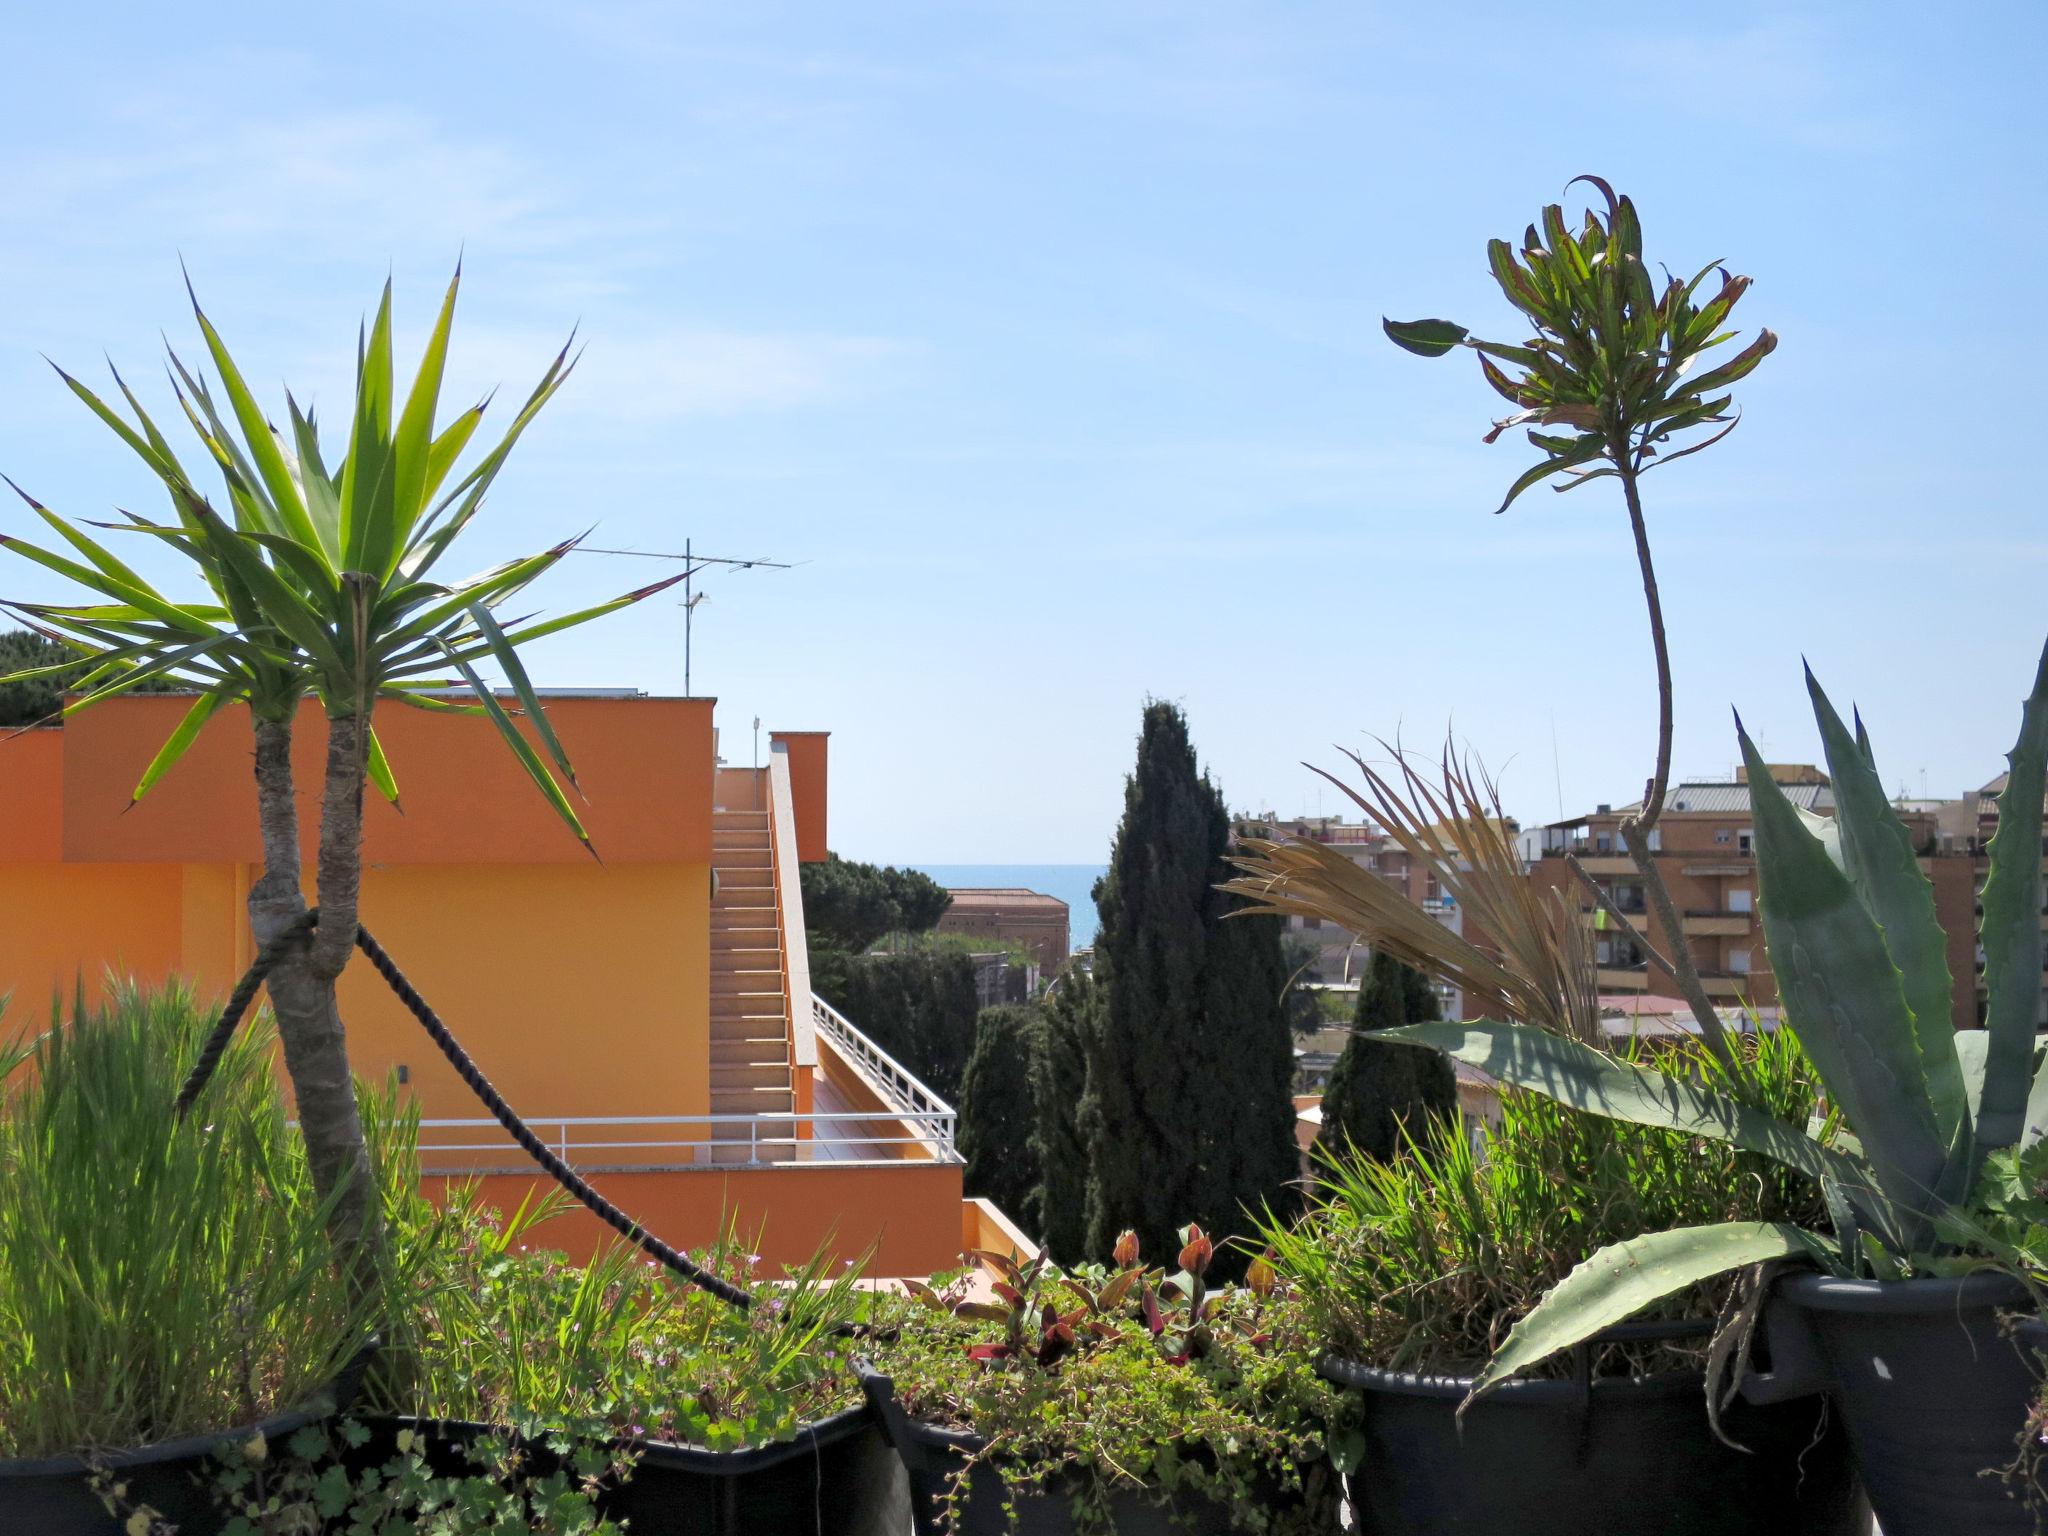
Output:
x=738 y=821
x=749 y=1051
x=750 y=957
x=728 y=1075
x=750 y=1101
x=745 y=879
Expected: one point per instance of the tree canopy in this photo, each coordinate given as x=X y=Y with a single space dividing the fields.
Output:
x=849 y=905
x=1189 y=1112
x=1376 y=1089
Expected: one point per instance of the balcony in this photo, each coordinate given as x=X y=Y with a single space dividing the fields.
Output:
x=871 y=1160
x=1718 y=924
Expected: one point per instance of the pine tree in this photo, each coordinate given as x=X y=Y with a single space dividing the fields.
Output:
x=998 y=1113
x=1188 y=1115
x=1376 y=1088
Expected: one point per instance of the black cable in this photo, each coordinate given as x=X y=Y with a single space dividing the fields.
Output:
x=266 y=961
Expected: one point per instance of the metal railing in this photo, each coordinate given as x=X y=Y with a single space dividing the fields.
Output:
x=895 y=1082
x=647 y=1142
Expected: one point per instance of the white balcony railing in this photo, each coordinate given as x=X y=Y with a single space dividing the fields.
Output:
x=648 y=1142
x=889 y=1078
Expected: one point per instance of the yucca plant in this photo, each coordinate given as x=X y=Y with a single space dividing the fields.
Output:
x=1861 y=962
x=324 y=583
x=1612 y=362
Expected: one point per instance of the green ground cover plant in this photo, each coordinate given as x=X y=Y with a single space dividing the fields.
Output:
x=1114 y=1379
x=501 y=1329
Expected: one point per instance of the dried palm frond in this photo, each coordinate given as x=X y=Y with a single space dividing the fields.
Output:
x=1540 y=968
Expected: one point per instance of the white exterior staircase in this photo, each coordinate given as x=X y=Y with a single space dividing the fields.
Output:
x=750 y=1023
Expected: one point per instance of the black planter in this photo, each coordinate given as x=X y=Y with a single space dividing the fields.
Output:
x=831 y=1479
x=1610 y=1455
x=52 y=1495
x=934 y=1459
x=1931 y=1384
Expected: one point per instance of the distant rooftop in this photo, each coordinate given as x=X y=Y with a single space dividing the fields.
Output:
x=1002 y=896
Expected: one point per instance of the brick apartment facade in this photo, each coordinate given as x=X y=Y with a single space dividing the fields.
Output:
x=1031 y=918
x=1704 y=853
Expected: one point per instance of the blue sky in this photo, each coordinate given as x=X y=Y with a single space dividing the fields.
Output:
x=1046 y=337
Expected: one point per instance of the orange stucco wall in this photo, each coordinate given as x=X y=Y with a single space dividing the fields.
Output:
x=807 y=775
x=912 y=1213
x=581 y=987
x=645 y=766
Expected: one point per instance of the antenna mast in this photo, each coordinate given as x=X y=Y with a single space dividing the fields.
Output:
x=693 y=564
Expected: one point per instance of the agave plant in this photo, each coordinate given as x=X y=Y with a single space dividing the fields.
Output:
x=1862 y=971
x=1612 y=361
x=325 y=583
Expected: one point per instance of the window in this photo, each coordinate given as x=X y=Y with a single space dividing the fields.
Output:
x=1312 y=922
x=1602 y=843
x=1742 y=841
x=1740 y=900
x=1738 y=962
x=1656 y=839
x=1723 y=835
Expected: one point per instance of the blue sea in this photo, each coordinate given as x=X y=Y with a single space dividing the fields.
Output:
x=1072 y=883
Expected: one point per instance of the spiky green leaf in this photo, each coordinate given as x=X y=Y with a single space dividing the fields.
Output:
x=2011 y=932
x=1841 y=995
x=1624 y=1278
x=1878 y=856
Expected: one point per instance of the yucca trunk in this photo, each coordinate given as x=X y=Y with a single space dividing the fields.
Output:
x=302 y=987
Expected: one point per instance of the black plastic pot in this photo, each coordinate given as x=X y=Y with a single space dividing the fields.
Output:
x=52 y=1495
x=1931 y=1383
x=1618 y=1456
x=829 y=1480
x=934 y=1459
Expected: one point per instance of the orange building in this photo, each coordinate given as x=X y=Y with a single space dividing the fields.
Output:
x=650 y=1015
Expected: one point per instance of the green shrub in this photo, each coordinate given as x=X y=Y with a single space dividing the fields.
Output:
x=157 y=1277
x=1425 y=1262
x=503 y=1332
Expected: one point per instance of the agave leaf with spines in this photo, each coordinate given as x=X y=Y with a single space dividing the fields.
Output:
x=1842 y=994
x=1583 y=1078
x=1877 y=855
x=2011 y=935
x=1623 y=1278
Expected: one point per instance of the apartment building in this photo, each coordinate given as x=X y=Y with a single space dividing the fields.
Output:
x=1014 y=915
x=1704 y=852
x=650 y=1016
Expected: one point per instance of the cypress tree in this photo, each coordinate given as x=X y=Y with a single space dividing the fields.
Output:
x=998 y=1114
x=1188 y=1115
x=1059 y=1082
x=1376 y=1088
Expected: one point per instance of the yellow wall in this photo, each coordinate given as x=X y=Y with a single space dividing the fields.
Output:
x=60 y=923
x=579 y=991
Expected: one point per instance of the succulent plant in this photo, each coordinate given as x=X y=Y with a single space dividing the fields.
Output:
x=1862 y=971
x=1612 y=357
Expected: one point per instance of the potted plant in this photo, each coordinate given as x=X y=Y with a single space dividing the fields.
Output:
x=715 y=1419
x=1103 y=1399
x=1883 y=1318
x=1411 y=1271
x=166 y=1284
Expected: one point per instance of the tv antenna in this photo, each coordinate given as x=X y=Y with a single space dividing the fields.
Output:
x=693 y=563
